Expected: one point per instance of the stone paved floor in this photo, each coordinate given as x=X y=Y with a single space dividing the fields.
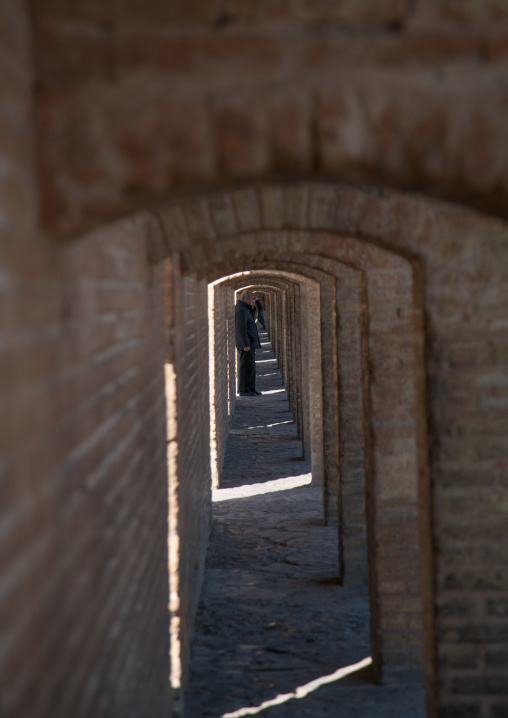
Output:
x=274 y=627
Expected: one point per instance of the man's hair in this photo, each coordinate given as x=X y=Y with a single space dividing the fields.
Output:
x=248 y=295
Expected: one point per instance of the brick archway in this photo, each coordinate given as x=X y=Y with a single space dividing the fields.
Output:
x=458 y=262
x=420 y=240
x=124 y=109
x=395 y=463
x=300 y=354
x=387 y=500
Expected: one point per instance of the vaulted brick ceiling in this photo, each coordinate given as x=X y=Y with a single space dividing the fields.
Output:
x=139 y=100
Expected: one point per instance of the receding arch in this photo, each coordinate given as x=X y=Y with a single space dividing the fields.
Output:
x=387 y=500
x=308 y=422
x=385 y=220
x=427 y=234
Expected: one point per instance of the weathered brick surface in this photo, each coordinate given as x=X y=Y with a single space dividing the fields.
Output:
x=137 y=101
x=220 y=12
x=84 y=585
x=189 y=455
x=222 y=372
x=469 y=13
x=216 y=99
x=83 y=457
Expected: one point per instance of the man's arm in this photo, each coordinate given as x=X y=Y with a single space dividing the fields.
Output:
x=241 y=330
x=261 y=314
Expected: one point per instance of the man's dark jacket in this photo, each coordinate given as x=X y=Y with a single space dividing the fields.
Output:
x=261 y=313
x=246 y=330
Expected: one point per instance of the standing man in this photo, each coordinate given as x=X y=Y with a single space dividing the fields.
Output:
x=247 y=341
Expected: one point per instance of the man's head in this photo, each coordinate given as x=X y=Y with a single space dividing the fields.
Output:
x=249 y=298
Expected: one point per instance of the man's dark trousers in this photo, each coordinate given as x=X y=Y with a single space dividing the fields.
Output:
x=247 y=371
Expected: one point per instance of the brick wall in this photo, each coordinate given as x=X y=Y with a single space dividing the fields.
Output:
x=187 y=365
x=465 y=294
x=83 y=586
x=85 y=544
x=222 y=372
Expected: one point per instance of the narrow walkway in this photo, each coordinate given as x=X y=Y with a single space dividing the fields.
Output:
x=273 y=627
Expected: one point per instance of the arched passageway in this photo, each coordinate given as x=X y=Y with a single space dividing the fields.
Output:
x=390 y=271
x=271 y=597
x=400 y=502
x=388 y=277
x=113 y=109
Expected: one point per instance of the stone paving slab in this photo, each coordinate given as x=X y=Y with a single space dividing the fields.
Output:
x=272 y=617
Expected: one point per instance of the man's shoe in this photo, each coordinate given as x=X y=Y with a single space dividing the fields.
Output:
x=247 y=393
x=258 y=393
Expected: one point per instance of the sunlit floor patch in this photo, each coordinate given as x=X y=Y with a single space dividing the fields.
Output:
x=269 y=426
x=272 y=391
x=301 y=691
x=268 y=487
